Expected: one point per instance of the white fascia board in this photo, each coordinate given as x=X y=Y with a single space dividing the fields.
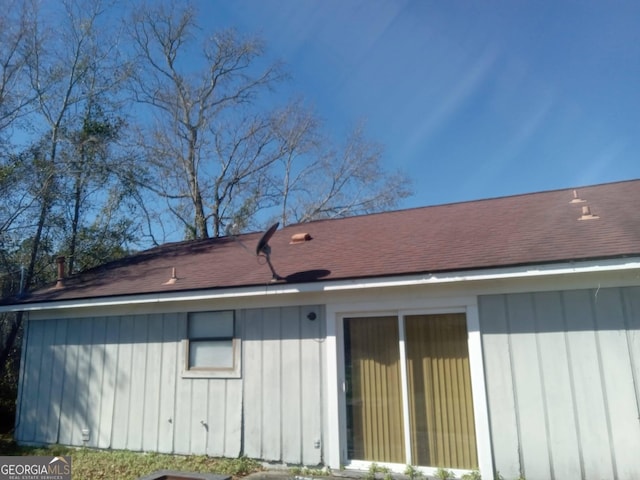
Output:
x=530 y=271
x=522 y=272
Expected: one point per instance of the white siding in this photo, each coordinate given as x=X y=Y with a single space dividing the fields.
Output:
x=562 y=383
x=120 y=377
x=283 y=354
x=152 y=385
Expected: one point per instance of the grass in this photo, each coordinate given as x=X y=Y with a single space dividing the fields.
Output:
x=124 y=465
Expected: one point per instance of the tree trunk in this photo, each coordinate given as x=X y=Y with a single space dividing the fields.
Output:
x=74 y=225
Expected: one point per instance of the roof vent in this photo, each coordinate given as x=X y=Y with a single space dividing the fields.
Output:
x=576 y=198
x=60 y=280
x=173 y=278
x=586 y=214
x=299 y=238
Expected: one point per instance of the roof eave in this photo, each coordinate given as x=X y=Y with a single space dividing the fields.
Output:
x=427 y=278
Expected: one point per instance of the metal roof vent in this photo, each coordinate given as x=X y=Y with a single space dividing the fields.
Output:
x=299 y=238
x=60 y=280
x=586 y=214
x=173 y=278
x=576 y=198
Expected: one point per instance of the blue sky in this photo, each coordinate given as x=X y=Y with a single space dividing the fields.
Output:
x=471 y=99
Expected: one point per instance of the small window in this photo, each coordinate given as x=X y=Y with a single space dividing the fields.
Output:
x=212 y=349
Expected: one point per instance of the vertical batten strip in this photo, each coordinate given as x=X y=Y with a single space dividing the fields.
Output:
x=542 y=380
x=590 y=408
x=99 y=344
x=514 y=383
x=572 y=382
x=252 y=383
x=44 y=388
x=630 y=301
x=621 y=393
x=35 y=369
x=311 y=394
x=601 y=379
x=57 y=392
x=113 y=336
x=23 y=377
x=94 y=380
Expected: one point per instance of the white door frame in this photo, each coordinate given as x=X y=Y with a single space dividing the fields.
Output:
x=336 y=441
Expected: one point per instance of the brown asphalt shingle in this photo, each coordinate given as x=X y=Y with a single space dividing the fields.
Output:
x=535 y=228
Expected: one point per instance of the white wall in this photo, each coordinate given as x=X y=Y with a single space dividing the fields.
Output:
x=562 y=372
x=120 y=377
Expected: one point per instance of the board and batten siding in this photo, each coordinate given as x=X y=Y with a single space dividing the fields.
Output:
x=562 y=374
x=283 y=396
x=120 y=377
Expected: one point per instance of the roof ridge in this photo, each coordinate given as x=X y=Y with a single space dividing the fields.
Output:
x=463 y=202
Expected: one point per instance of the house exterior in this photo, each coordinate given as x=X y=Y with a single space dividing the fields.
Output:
x=500 y=335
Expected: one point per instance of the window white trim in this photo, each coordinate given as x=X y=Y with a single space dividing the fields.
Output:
x=404 y=385
x=336 y=453
x=479 y=389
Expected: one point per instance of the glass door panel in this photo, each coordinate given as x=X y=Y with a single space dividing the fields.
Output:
x=374 y=395
x=442 y=427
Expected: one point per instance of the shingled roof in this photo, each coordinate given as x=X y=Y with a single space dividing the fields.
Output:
x=538 y=228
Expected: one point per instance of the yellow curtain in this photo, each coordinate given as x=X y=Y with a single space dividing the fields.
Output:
x=374 y=396
x=440 y=401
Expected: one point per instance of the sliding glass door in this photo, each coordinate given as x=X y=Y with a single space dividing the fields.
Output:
x=408 y=393
x=374 y=390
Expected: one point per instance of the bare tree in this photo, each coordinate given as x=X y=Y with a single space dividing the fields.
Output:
x=69 y=67
x=297 y=128
x=70 y=62
x=355 y=182
x=15 y=29
x=199 y=150
x=93 y=188
x=318 y=180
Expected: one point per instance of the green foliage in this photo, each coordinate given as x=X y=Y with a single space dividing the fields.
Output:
x=371 y=474
x=444 y=474
x=374 y=469
x=412 y=472
x=475 y=475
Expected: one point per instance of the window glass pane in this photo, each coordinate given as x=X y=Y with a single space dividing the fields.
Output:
x=440 y=404
x=211 y=353
x=440 y=399
x=211 y=324
x=374 y=394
